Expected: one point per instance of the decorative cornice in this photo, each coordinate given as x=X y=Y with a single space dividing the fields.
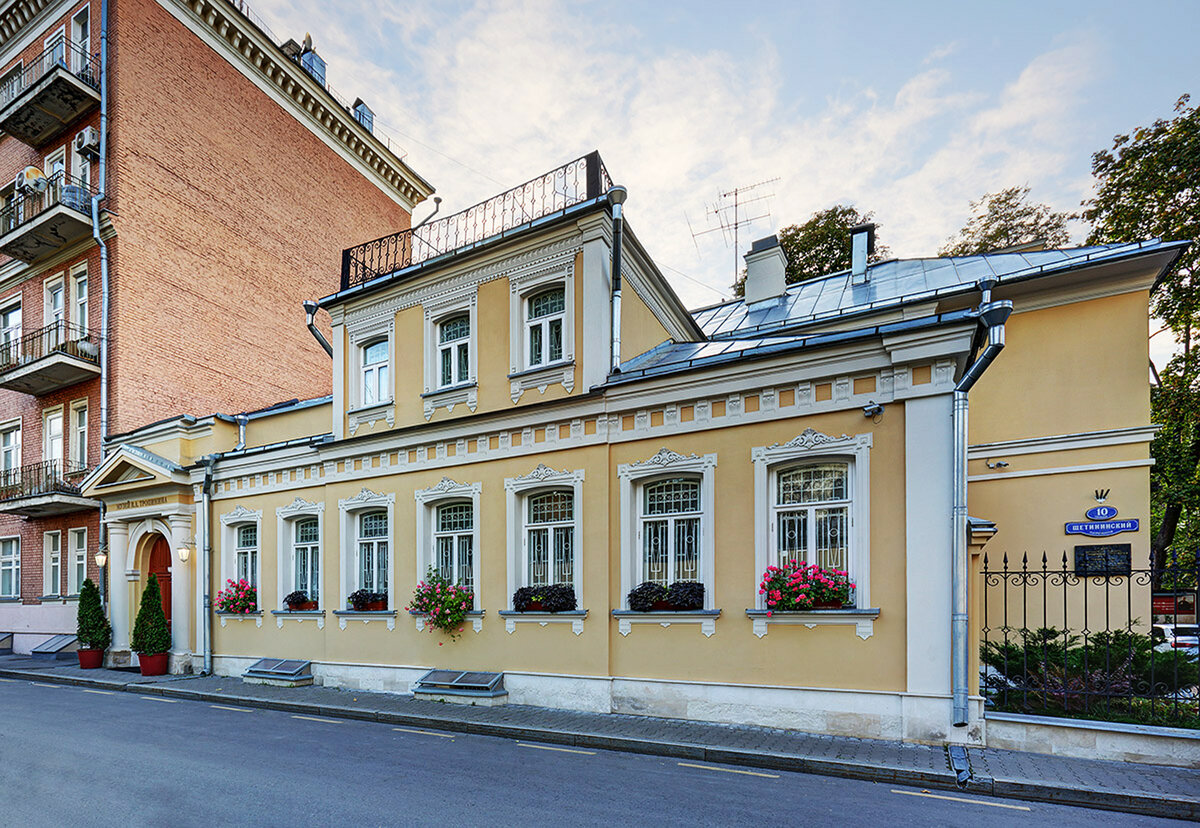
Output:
x=446 y=488
x=17 y=15
x=222 y=22
x=810 y=441
x=240 y=514
x=300 y=506
x=367 y=498
x=668 y=459
x=811 y=438
x=542 y=474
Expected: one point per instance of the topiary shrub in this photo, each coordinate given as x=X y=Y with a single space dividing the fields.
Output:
x=151 y=635
x=91 y=627
x=686 y=595
x=644 y=596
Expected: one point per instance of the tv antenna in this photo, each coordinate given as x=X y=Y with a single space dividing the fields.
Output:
x=733 y=209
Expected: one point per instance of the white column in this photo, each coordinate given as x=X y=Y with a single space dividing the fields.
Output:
x=181 y=586
x=118 y=585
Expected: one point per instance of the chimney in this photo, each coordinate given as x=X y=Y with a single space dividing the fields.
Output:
x=766 y=267
x=862 y=245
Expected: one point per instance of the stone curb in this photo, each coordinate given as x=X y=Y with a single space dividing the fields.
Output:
x=1136 y=803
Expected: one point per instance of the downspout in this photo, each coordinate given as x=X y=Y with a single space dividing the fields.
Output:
x=616 y=197
x=310 y=308
x=206 y=558
x=101 y=188
x=241 y=424
x=992 y=316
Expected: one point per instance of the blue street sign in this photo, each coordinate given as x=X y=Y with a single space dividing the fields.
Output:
x=1101 y=513
x=1102 y=528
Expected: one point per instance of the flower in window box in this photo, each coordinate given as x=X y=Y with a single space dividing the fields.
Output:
x=648 y=596
x=552 y=598
x=804 y=587
x=686 y=595
x=237 y=597
x=298 y=601
x=444 y=604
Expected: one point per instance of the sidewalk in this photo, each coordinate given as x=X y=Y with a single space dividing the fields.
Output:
x=1117 y=786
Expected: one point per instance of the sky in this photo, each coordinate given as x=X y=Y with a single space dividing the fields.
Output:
x=907 y=110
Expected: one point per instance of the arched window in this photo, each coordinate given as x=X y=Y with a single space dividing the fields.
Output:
x=375 y=385
x=811 y=519
x=550 y=538
x=453 y=542
x=454 y=352
x=544 y=315
x=306 y=552
x=670 y=530
x=373 y=552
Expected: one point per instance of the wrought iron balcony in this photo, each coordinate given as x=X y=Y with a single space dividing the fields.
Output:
x=582 y=180
x=43 y=489
x=56 y=356
x=52 y=92
x=36 y=225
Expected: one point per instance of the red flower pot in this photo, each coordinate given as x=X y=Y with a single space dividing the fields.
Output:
x=662 y=605
x=534 y=606
x=90 y=659
x=304 y=606
x=376 y=606
x=828 y=605
x=153 y=664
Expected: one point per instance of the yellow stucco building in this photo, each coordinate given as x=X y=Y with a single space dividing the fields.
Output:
x=481 y=424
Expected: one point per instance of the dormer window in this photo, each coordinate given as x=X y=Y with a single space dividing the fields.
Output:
x=454 y=351
x=545 y=312
x=375 y=388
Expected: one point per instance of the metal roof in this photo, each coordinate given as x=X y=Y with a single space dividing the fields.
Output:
x=901 y=282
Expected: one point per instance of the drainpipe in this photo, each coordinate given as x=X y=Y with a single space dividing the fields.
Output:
x=206 y=559
x=101 y=188
x=616 y=197
x=310 y=308
x=241 y=424
x=992 y=316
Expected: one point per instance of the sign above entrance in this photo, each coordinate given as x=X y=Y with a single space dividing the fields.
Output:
x=1101 y=513
x=1100 y=523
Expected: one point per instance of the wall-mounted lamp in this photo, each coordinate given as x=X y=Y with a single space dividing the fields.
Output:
x=184 y=552
x=101 y=562
x=101 y=558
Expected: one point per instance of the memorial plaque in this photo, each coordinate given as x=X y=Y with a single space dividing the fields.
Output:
x=1103 y=559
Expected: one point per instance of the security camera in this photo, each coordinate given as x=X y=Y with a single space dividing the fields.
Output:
x=872 y=409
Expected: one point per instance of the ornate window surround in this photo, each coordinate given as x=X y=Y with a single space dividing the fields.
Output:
x=230 y=521
x=427 y=501
x=522 y=285
x=435 y=311
x=813 y=446
x=360 y=336
x=667 y=463
x=348 y=511
x=286 y=518
x=516 y=491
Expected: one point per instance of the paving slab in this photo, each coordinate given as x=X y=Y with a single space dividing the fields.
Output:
x=1155 y=790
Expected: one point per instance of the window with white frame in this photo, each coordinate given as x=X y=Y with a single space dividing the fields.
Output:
x=375 y=384
x=306 y=557
x=246 y=554
x=10 y=447
x=10 y=334
x=550 y=538
x=56 y=309
x=81 y=38
x=80 y=301
x=52 y=563
x=77 y=571
x=454 y=543
x=52 y=449
x=670 y=530
x=372 y=548
x=79 y=435
x=10 y=567
x=811 y=515
x=545 y=316
x=454 y=351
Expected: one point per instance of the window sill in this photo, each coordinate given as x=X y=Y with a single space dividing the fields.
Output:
x=542 y=377
x=705 y=618
x=16 y=599
x=863 y=620
x=450 y=396
x=365 y=616
x=573 y=617
x=51 y=598
x=368 y=409
x=257 y=616
x=299 y=616
x=371 y=414
x=474 y=616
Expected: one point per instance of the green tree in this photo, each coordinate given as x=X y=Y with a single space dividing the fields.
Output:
x=91 y=627
x=151 y=635
x=820 y=246
x=1147 y=186
x=1005 y=219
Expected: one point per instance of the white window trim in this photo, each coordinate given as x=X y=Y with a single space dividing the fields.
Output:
x=230 y=523
x=427 y=502
x=58 y=280
x=80 y=54
x=77 y=272
x=9 y=305
x=516 y=493
x=437 y=311
x=16 y=570
x=809 y=447
x=72 y=432
x=667 y=463
x=13 y=425
x=348 y=511
x=50 y=590
x=360 y=337
x=73 y=588
x=46 y=415
x=521 y=287
x=286 y=518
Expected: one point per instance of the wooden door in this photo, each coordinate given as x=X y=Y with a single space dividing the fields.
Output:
x=160 y=566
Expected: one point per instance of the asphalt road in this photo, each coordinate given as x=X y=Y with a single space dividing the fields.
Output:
x=80 y=757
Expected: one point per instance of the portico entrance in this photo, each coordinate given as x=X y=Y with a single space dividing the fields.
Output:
x=160 y=567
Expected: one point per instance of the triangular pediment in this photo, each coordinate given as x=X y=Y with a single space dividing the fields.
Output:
x=130 y=469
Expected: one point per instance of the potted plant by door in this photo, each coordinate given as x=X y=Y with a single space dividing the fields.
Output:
x=151 y=636
x=91 y=627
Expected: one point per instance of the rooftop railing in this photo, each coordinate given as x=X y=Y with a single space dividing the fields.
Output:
x=59 y=53
x=58 y=337
x=581 y=180
x=42 y=478
x=28 y=204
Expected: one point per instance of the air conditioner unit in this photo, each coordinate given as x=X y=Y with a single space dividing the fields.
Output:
x=87 y=142
x=30 y=179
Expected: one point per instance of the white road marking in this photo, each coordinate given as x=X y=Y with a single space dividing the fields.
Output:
x=43 y=684
x=424 y=732
x=928 y=795
x=235 y=709
x=560 y=750
x=727 y=770
x=160 y=698
x=315 y=719
x=98 y=692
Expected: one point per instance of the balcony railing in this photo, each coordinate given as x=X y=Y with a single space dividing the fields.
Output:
x=49 y=93
x=60 y=337
x=32 y=229
x=60 y=53
x=581 y=180
x=39 y=479
x=29 y=204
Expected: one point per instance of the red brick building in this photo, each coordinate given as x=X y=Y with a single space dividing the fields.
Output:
x=172 y=182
